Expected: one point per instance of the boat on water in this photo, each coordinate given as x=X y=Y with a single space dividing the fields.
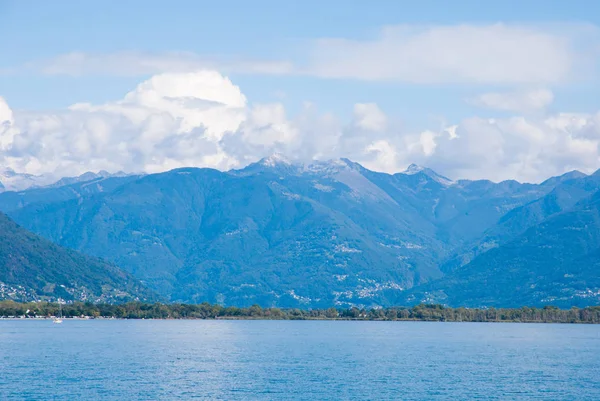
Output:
x=58 y=319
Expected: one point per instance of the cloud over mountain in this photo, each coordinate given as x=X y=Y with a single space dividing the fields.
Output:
x=203 y=119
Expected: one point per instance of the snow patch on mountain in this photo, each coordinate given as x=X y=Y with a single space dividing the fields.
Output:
x=323 y=188
x=414 y=169
x=274 y=160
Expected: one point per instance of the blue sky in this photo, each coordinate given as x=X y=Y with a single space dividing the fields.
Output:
x=250 y=29
x=333 y=54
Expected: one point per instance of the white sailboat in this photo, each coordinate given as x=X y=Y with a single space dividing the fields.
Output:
x=58 y=319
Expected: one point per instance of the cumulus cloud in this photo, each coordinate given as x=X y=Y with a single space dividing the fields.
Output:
x=170 y=120
x=520 y=148
x=518 y=101
x=203 y=119
x=369 y=116
x=7 y=128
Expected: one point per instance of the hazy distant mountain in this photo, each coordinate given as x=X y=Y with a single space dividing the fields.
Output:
x=33 y=268
x=10 y=201
x=554 y=262
x=87 y=177
x=13 y=181
x=280 y=233
x=564 y=195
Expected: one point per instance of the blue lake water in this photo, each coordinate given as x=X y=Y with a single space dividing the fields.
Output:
x=305 y=360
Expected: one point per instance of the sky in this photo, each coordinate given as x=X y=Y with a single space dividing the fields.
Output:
x=502 y=91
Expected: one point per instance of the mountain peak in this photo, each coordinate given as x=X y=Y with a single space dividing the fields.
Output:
x=413 y=169
x=571 y=175
x=87 y=176
x=274 y=160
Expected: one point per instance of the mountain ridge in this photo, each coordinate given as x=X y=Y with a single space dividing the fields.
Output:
x=24 y=181
x=13 y=181
x=282 y=233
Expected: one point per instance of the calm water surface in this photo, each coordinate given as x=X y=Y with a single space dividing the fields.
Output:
x=309 y=360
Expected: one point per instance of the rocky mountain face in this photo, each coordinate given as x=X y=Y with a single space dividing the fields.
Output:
x=328 y=233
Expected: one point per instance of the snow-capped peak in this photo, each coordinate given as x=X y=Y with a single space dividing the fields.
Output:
x=274 y=160
x=413 y=169
x=416 y=169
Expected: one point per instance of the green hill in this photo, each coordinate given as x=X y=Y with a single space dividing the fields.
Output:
x=555 y=262
x=33 y=268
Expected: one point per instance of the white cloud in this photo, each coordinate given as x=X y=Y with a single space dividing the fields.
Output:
x=135 y=63
x=385 y=155
x=519 y=148
x=170 y=120
x=265 y=130
x=518 y=101
x=435 y=54
x=203 y=119
x=369 y=117
x=497 y=54
x=427 y=142
x=7 y=128
x=202 y=99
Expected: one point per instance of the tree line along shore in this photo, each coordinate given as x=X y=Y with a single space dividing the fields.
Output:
x=422 y=312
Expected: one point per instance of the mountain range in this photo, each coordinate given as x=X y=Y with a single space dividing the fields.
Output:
x=333 y=233
x=13 y=181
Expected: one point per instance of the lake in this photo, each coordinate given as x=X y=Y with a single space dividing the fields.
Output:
x=304 y=360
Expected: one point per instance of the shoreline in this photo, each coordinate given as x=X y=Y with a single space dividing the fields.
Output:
x=223 y=318
x=206 y=311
